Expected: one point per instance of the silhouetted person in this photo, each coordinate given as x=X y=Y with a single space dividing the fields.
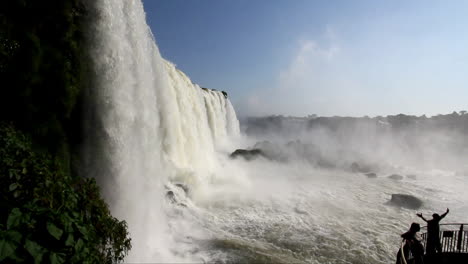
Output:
x=433 y=241
x=412 y=244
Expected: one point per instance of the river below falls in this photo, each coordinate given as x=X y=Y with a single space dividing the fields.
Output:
x=293 y=213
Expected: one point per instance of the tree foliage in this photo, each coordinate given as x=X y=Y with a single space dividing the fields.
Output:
x=47 y=216
x=41 y=67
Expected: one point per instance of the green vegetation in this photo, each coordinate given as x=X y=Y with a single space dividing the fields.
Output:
x=49 y=216
x=42 y=70
x=48 y=213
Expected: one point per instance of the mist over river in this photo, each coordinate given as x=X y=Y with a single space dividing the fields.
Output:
x=297 y=213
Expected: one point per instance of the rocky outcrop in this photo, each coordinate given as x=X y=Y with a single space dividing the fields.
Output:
x=273 y=151
x=176 y=193
x=371 y=175
x=405 y=201
x=170 y=196
x=248 y=154
x=208 y=89
x=183 y=187
x=360 y=168
x=395 y=177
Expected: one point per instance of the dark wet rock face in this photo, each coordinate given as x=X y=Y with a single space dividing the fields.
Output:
x=371 y=175
x=247 y=154
x=171 y=197
x=183 y=187
x=361 y=168
x=405 y=201
x=300 y=211
x=395 y=177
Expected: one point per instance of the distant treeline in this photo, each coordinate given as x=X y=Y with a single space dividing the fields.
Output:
x=48 y=213
x=455 y=122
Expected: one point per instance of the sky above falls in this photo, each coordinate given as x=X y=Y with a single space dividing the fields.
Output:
x=301 y=57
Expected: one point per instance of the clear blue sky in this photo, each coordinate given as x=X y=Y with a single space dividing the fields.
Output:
x=300 y=57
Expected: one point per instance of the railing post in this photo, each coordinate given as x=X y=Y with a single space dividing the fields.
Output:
x=460 y=237
x=424 y=240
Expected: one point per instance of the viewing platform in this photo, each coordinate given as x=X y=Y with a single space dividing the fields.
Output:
x=454 y=244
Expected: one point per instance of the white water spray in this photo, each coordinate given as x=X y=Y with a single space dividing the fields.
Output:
x=152 y=125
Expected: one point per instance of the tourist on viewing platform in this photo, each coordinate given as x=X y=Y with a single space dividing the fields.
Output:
x=413 y=245
x=433 y=241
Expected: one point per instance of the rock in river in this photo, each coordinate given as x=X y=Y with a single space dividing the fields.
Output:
x=395 y=177
x=247 y=154
x=406 y=201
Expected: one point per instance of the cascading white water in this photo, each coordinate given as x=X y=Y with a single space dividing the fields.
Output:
x=153 y=124
x=195 y=122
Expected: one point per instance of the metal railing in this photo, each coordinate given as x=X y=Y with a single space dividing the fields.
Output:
x=452 y=236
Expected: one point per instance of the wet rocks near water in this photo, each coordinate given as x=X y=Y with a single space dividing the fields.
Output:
x=405 y=201
x=395 y=177
x=248 y=154
x=183 y=187
x=361 y=168
x=170 y=196
x=300 y=211
x=371 y=175
x=292 y=151
x=176 y=193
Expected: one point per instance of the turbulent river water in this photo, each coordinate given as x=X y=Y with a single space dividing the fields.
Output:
x=160 y=150
x=296 y=214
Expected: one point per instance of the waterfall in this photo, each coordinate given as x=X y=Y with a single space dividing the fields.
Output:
x=149 y=124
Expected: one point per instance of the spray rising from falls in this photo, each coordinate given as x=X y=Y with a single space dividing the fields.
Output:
x=152 y=124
